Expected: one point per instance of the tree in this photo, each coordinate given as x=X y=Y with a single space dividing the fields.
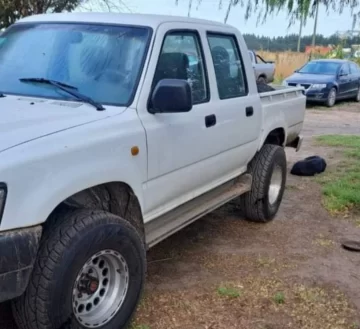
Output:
x=12 y=10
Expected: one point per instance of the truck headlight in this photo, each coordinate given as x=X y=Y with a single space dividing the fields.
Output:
x=3 y=191
x=318 y=86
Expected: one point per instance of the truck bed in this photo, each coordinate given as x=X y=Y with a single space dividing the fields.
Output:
x=288 y=103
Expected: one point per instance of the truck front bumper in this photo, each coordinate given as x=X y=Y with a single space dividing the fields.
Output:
x=18 y=250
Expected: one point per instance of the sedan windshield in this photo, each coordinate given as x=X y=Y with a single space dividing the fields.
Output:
x=102 y=62
x=329 y=68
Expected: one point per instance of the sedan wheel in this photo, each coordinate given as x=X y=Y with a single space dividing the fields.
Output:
x=331 y=100
x=357 y=98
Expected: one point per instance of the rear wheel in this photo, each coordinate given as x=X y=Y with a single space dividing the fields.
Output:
x=268 y=169
x=89 y=274
x=261 y=80
x=331 y=99
x=357 y=97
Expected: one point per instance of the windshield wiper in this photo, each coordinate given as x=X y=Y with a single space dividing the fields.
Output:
x=67 y=88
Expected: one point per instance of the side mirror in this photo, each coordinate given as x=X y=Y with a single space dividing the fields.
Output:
x=171 y=96
x=342 y=74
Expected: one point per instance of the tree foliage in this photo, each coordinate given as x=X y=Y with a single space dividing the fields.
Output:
x=289 y=42
x=12 y=10
x=295 y=8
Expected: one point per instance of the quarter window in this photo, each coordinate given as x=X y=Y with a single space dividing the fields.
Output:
x=181 y=58
x=229 y=68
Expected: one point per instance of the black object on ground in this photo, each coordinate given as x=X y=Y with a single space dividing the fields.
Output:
x=309 y=166
x=351 y=245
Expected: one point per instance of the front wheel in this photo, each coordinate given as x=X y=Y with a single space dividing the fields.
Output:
x=331 y=99
x=268 y=170
x=89 y=274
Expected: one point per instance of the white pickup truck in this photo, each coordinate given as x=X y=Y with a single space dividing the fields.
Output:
x=110 y=142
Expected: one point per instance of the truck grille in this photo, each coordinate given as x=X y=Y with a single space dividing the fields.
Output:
x=305 y=85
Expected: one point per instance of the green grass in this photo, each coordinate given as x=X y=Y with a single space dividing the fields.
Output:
x=228 y=292
x=279 y=298
x=341 y=186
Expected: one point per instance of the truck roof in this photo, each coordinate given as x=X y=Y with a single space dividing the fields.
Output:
x=116 y=18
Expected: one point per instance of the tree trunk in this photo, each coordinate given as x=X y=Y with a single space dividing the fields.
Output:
x=300 y=33
x=315 y=28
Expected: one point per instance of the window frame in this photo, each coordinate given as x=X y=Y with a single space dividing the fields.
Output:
x=141 y=68
x=238 y=49
x=196 y=33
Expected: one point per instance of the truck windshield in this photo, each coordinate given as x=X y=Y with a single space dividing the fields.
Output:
x=329 y=68
x=103 y=62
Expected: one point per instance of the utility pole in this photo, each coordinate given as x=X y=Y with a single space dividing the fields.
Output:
x=315 y=27
x=300 y=33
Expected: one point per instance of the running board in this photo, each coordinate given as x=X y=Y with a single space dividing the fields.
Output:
x=160 y=228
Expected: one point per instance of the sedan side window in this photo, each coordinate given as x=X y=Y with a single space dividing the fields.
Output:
x=345 y=70
x=354 y=68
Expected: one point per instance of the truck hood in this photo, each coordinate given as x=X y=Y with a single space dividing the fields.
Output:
x=23 y=119
x=310 y=78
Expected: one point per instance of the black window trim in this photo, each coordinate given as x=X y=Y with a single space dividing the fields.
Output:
x=234 y=37
x=201 y=48
x=142 y=64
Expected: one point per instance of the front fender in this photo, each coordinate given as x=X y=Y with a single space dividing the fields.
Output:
x=42 y=174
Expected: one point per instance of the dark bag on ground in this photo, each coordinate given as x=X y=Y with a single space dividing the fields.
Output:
x=309 y=166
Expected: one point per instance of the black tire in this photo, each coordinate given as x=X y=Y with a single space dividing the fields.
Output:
x=357 y=97
x=261 y=79
x=255 y=204
x=65 y=248
x=330 y=101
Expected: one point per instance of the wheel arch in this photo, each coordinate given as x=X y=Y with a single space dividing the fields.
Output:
x=262 y=75
x=276 y=137
x=114 y=197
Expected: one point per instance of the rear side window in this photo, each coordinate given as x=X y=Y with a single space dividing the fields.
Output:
x=181 y=57
x=228 y=65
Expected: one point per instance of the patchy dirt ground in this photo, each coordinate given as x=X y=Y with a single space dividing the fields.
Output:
x=223 y=272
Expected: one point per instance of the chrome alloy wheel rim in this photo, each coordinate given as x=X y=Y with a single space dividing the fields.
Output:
x=100 y=289
x=275 y=184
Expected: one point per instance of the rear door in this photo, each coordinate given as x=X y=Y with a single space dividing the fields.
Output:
x=355 y=77
x=345 y=83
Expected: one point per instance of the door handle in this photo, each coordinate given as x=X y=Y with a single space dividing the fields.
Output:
x=249 y=111
x=210 y=120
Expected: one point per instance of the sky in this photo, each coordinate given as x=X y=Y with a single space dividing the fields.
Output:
x=277 y=25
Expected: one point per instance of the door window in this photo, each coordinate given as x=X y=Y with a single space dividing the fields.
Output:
x=181 y=57
x=345 y=70
x=228 y=65
x=354 y=68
